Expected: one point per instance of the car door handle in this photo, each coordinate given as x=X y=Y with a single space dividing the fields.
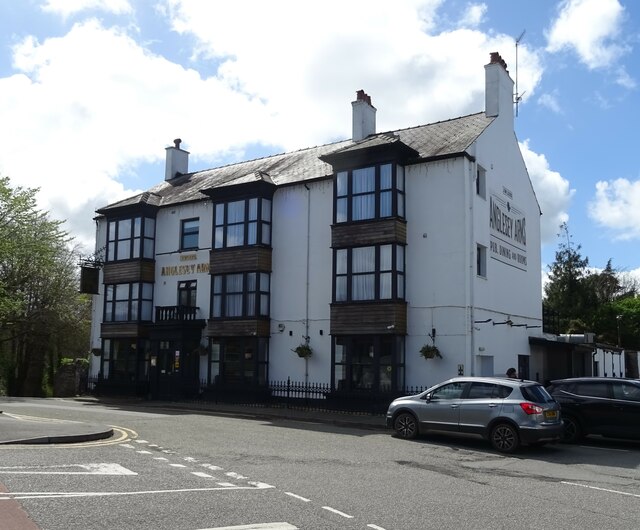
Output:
x=455 y=406
x=492 y=405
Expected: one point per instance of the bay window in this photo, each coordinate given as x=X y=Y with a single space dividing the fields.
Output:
x=243 y=222
x=374 y=192
x=369 y=273
x=240 y=295
x=128 y=302
x=130 y=238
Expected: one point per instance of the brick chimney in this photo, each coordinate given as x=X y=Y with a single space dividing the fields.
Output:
x=364 y=116
x=498 y=92
x=177 y=161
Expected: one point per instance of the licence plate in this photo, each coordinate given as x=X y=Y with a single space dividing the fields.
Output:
x=551 y=414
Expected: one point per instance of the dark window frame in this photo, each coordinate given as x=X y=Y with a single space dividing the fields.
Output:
x=114 y=299
x=396 y=189
x=398 y=277
x=188 y=288
x=262 y=221
x=131 y=241
x=187 y=233
x=349 y=368
x=255 y=295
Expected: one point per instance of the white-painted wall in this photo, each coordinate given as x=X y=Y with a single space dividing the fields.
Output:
x=301 y=249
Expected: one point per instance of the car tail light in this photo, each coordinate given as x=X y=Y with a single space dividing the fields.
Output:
x=530 y=408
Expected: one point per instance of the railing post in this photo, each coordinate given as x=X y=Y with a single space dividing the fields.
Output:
x=288 y=390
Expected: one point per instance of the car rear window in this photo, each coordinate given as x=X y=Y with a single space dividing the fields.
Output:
x=537 y=394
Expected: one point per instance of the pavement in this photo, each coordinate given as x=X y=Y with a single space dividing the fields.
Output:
x=20 y=429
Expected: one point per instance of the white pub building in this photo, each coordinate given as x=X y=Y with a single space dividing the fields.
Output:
x=335 y=264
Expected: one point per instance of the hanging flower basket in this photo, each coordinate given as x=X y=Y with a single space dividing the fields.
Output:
x=303 y=350
x=429 y=351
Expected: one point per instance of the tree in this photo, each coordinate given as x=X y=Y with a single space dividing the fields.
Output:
x=39 y=302
x=567 y=291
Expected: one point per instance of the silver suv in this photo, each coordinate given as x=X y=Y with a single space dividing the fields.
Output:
x=507 y=412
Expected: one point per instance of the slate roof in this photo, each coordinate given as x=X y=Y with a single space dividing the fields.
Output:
x=440 y=139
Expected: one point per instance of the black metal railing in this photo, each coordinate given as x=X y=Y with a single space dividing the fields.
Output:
x=173 y=313
x=278 y=394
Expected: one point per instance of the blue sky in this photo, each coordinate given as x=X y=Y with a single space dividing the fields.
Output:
x=92 y=91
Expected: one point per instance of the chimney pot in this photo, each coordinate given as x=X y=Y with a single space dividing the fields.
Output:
x=177 y=142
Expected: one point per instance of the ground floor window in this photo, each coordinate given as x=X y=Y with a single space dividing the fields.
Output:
x=125 y=359
x=239 y=360
x=368 y=362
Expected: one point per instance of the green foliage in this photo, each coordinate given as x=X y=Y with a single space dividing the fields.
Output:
x=42 y=316
x=604 y=302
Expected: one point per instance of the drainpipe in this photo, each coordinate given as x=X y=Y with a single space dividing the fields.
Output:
x=306 y=314
x=470 y=298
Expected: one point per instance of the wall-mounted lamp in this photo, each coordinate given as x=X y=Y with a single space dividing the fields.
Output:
x=391 y=326
x=281 y=327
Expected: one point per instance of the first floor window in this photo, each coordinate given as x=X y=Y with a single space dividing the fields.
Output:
x=125 y=302
x=243 y=294
x=369 y=273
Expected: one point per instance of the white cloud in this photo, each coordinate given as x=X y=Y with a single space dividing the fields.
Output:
x=94 y=104
x=591 y=29
x=550 y=101
x=553 y=192
x=616 y=206
x=71 y=7
x=473 y=15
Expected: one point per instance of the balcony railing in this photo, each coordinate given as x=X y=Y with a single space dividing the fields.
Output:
x=176 y=313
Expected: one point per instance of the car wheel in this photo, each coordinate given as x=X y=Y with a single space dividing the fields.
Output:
x=572 y=430
x=504 y=438
x=406 y=425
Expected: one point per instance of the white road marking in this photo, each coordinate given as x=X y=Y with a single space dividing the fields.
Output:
x=128 y=446
x=375 y=527
x=297 y=496
x=600 y=489
x=201 y=474
x=160 y=458
x=212 y=467
x=260 y=526
x=144 y=452
x=236 y=475
x=177 y=465
x=338 y=512
x=141 y=442
x=260 y=485
x=88 y=469
x=78 y=494
x=189 y=459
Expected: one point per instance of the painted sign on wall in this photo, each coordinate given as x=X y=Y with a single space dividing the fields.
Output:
x=508 y=230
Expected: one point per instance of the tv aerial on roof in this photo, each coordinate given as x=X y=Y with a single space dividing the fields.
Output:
x=518 y=96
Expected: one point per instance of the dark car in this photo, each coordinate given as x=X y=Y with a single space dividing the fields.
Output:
x=507 y=412
x=598 y=405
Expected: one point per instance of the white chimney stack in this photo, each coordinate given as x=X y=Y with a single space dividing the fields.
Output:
x=364 y=116
x=177 y=161
x=498 y=92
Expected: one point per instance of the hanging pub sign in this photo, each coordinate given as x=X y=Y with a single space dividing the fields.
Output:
x=89 y=280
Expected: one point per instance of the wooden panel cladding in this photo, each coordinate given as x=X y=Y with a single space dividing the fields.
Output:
x=371 y=318
x=122 y=330
x=242 y=259
x=238 y=328
x=129 y=271
x=369 y=233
